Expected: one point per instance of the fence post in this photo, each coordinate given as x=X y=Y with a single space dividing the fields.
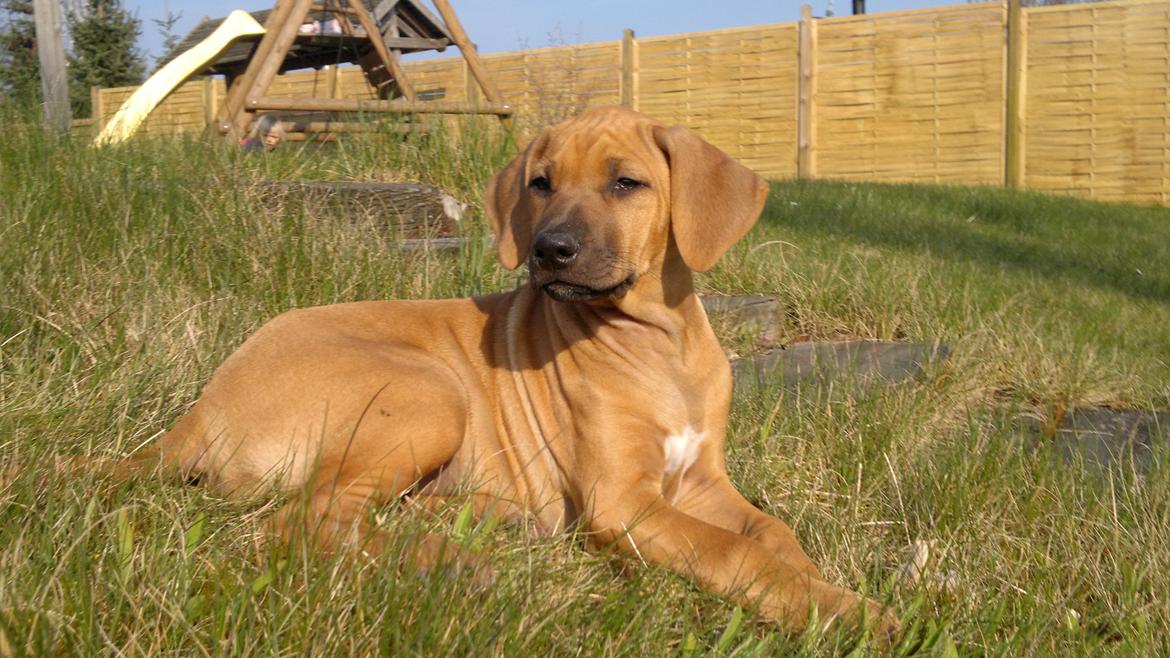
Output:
x=333 y=81
x=209 y=101
x=51 y=57
x=629 y=65
x=806 y=161
x=97 y=109
x=1013 y=151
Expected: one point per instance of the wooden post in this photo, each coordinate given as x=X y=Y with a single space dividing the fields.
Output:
x=281 y=40
x=97 y=109
x=333 y=81
x=459 y=36
x=1013 y=151
x=469 y=93
x=240 y=85
x=209 y=102
x=806 y=161
x=629 y=64
x=51 y=53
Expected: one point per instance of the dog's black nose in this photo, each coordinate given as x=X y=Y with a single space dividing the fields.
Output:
x=555 y=250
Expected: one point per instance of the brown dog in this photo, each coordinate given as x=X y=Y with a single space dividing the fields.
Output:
x=597 y=394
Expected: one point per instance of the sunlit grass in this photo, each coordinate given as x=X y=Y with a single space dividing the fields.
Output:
x=130 y=273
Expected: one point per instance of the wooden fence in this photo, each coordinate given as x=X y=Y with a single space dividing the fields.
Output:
x=1071 y=99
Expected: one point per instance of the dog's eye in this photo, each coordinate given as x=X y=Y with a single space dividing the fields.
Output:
x=540 y=184
x=626 y=184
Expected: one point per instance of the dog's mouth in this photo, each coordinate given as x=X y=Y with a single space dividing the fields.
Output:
x=564 y=291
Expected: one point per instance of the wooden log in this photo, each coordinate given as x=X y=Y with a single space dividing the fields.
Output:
x=1097 y=436
x=860 y=363
x=361 y=105
x=756 y=313
x=413 y=209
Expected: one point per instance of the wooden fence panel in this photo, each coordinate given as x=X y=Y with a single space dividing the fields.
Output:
x=549 y=84
x=441 y=79
x=181 y=112
x=737 y=88
x=300 y=84
x=913 y=96
x=1097 y=101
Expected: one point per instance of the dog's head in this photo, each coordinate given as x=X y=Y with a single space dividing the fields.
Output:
x=595 y=202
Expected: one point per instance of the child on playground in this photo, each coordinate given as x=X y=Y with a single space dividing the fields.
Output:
x=266 y=134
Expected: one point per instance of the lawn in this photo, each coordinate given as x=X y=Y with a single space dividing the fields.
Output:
x=130 y=273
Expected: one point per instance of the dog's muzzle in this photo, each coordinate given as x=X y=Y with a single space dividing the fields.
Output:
x=555 y=267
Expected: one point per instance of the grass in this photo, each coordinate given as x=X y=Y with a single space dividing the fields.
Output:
x=130 y=273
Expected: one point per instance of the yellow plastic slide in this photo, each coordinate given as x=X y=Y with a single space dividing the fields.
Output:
x=152 y=92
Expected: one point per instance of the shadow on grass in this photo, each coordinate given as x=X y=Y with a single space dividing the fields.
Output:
x=1113 y=246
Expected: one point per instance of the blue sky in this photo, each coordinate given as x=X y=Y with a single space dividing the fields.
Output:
x=502 y=25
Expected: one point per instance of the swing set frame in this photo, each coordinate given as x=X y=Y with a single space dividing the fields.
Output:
x=248 y=90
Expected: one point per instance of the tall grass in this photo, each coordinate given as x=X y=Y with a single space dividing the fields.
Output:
x=130 y=273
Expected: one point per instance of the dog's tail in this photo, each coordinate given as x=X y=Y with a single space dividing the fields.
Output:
x=157 y=459
x=141 y=464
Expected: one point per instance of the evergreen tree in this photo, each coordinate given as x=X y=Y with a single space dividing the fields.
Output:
x=20 y=73
x=166 y=27
x=104 y=52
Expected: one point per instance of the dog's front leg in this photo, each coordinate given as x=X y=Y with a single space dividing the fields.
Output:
x=638 y=520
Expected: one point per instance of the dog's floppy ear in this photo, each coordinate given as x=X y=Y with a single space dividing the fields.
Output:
x=506 y=203
x=714 y=200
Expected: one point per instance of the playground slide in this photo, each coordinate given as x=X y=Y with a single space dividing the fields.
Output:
x=152 y=92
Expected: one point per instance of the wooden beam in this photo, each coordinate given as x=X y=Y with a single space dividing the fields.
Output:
x=400 y=106
x=281 y=39
x=330 y=7
x=478 y=70
x=806 y=130
x=389 y=59
x=241 y=85
x=410 y=43
x=1013 y=151
x=343 y=127
x=51 y=55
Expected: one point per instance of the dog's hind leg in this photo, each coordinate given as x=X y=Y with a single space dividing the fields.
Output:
x=389 y=451
x=332 y=515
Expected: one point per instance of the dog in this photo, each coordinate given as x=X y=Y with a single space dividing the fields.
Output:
x=595 y=395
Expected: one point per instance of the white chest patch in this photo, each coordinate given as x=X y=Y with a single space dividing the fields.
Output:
x=681 y=450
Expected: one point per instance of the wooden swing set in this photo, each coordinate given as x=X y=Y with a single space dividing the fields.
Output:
x=314 y=33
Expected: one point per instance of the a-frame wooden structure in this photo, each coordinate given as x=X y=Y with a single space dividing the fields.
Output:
x=382 y=32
